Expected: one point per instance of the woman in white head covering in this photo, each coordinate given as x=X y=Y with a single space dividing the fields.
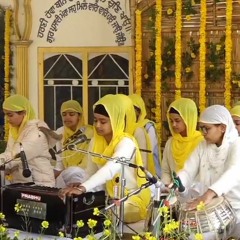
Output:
x=216 y=160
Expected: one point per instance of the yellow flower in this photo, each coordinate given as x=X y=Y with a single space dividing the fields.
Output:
x=218 y=47
x=188 y=17
x=90 y=237
x=18 y=207
x=146 y=76
x=201 y=206
x=61 y=234
x=96 y=212
x=45 y=224
x=78 y=238
x=91 y=223
x=170 y=227
x=106 y=232
x=16 y=234
x=80 y=223
x=136 y=237
x=2 y=216
x=2 y=229
x=169 y=11
x=187 y=69
x=107 y=223
x=163 y=211
x=193 y=55
x=198 y=236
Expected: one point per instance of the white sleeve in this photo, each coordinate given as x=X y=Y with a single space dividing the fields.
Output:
x=139 y=135
x=231 y=177
x=191 y=168
x=124 y=149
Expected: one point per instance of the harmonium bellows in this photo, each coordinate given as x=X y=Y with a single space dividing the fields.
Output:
x=39 y=203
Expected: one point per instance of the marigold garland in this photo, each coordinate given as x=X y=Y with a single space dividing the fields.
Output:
x=158 y=66
x=138 y=44
x=178 y=47
x=202 y=56
x=7 y=62
x=228 y=54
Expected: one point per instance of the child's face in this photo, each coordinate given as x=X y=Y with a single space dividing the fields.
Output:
x=71 y=119
x=178 y=124
x=237 y=123
x=103 y=126
x=14 y=118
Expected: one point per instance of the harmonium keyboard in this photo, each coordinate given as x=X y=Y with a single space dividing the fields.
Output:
x=40 y=203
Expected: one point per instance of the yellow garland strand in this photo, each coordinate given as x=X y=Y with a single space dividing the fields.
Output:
x=7 y=63
x=178 y=51
x=138 y=45
x=228 y=54
x=202 y=56
x=158 y=66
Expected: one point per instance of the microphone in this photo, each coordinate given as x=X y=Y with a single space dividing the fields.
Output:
x=151 y=178
x=26 y=171
x=75 y=135
x=82 y=138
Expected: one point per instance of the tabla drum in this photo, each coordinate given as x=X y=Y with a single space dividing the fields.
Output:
x=218 y=218
x=153 y=216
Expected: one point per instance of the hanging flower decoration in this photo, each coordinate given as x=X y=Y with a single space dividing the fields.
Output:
x=138 y=45
x=178 y=47
x=158 y=63
x=228 y=53
x=202 y=56
x=7 y=61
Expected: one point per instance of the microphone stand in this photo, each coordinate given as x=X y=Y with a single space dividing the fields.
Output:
x=125 y=162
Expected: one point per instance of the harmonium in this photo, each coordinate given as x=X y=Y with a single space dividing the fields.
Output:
x=27 y=205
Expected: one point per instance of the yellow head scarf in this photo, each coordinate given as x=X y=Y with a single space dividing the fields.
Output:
x=130 y=117
x=182 y=147
x=18 y=103
x=71 y=158
x=117 y=112
x=235 y=111
x=141 y=123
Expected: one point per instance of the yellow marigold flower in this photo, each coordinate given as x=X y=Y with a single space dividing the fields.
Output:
x=147 y=234
x=146 y=76
x=96 y=212
x=91 y=223
x=2 y=229
x=169 y=52
x=107 y=232
x=193 y=55
x=211 y=66
x=2 y=216
x=78 y=238
x=90 y=237
x=45 y=224
x=136 y=237
x=188 y=17
x=198 y=236
x=169 y=11
x=218 y=47
x=80 y=223
x=18 y=207
x=201 y=206
x=61 y=234
x=16 y=234
x=187 y=69
x=170 y=227
x=107 y=223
